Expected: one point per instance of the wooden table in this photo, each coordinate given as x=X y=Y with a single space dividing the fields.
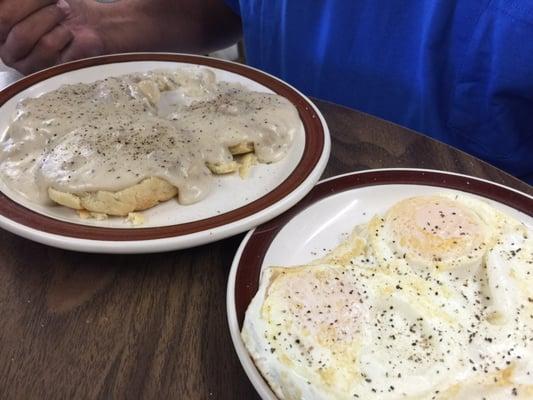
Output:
x=79 y=326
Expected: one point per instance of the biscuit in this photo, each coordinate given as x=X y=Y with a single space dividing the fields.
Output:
x=149 y=192
x=146 y=194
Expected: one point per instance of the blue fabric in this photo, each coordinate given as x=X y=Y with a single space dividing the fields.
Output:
x=459 y=71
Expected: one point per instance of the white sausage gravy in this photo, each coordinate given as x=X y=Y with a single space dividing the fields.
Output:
x=113 y=133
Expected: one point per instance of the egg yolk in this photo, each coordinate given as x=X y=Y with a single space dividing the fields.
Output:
x=435 y=229
x=318 y=303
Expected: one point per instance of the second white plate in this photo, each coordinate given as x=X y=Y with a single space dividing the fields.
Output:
x=324 y=218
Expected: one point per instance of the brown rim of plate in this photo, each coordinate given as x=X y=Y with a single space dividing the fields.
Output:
x=314 y=145
x=253 y=254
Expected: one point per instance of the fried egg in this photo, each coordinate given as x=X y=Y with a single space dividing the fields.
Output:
x=441 y=232
x=404 y=310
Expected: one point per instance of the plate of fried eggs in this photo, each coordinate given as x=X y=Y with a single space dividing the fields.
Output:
x=389 y=284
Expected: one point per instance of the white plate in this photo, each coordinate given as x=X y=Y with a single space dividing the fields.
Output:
x=326 y=215
x=270 y=190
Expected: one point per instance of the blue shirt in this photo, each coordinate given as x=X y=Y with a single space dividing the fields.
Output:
x=459 y=71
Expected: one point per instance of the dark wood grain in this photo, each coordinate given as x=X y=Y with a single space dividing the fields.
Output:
x=79 y=326
x=360 y=141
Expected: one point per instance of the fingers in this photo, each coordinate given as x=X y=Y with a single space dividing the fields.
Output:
x=46 y=52
x=26 y=34
x=14 y=11
x=87 y=43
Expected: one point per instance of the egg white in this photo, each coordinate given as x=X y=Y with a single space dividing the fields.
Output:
x=377 y=320
x=373 y=334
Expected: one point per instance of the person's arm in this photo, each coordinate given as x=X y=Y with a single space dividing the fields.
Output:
x=35 y=35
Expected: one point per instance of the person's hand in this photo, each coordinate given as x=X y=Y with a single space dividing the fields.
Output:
x=35 y=34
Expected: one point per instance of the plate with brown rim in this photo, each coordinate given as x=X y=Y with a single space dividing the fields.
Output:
x=235 y=206
x=326 y=215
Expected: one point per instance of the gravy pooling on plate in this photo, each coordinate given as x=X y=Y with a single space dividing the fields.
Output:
x=112 y=134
